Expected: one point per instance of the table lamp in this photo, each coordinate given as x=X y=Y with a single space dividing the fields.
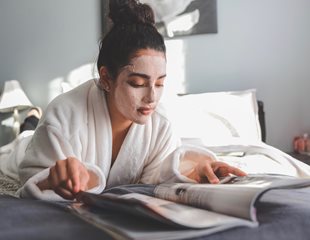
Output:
x=14 y=99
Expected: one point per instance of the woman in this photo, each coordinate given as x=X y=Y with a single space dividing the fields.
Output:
x=107 y=133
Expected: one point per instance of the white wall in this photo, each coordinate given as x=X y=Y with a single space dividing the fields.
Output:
x=262 y=44
x=44 y=40
x=41 y=41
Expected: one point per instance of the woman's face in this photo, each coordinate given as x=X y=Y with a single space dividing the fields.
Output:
x=139 y=86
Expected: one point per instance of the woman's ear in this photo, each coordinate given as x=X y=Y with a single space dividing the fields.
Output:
x=105 y=79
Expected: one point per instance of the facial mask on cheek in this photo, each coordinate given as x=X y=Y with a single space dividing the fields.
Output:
x=153 y=66
x=158 y=92
x=126 y=99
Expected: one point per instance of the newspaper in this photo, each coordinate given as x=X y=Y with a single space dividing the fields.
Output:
x=181 y=210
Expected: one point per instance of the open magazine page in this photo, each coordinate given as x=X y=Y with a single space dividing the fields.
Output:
x=123 y=226
x=164 y=211
x=234 y=196
x=131 y=212
x=185 y=215
x=138 y=216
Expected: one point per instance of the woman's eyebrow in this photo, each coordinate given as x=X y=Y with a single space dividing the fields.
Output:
x=162 y=76
x=143 y=75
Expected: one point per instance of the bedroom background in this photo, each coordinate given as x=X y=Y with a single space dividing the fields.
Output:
x=260 y=44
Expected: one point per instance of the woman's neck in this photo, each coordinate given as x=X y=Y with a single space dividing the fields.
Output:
x=119 y=133
x=119 y=123
x=120 y=127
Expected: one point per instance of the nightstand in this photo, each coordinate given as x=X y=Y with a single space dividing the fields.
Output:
x=302 y=157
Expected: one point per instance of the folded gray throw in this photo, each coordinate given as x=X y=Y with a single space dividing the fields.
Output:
x=8 y=185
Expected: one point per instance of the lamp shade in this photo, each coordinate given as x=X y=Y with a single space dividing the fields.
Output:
x=13 y=97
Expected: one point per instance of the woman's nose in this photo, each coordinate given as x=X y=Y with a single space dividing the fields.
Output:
x=150 y=95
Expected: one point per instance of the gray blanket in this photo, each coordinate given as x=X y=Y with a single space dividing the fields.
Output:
x=283 y=214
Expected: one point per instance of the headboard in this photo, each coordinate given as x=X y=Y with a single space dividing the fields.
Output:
x=261 y=118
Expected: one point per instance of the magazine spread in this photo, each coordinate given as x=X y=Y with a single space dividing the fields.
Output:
x=125 y=226
x=235 y=196
x=181 y=210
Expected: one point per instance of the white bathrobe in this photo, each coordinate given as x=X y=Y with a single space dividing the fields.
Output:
x=77 y=124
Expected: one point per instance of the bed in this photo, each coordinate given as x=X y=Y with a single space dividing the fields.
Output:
x=229 y=123
x=282 y=215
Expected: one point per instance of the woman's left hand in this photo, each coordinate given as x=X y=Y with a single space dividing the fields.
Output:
x=204 y=169
x=212 y=171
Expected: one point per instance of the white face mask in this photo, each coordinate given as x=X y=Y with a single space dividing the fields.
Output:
x=139 y=87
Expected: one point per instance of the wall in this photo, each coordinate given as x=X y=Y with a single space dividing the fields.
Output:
x=42 y=41
x=262 y=44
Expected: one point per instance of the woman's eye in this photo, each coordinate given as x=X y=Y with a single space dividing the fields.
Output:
x=159 y=83
x=136 y=84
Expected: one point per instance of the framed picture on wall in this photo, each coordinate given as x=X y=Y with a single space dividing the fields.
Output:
x=177 y=18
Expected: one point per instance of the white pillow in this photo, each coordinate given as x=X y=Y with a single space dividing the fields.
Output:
x=216 y=116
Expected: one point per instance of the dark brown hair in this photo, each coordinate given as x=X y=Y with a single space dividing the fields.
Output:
x=133 y=29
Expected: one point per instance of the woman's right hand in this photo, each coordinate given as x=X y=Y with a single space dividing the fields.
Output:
x=67 y=177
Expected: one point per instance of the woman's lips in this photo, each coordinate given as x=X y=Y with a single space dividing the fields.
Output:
x=145 y=111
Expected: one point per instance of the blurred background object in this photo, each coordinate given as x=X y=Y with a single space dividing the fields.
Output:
x=13 y=99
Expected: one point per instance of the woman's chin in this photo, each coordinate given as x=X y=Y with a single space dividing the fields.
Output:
x=142 y=119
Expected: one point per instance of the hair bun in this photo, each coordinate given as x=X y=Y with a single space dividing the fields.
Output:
x=130 y=12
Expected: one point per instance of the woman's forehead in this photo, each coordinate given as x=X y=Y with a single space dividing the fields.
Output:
x=148 y=52
x=151 y=65
x=147 y=62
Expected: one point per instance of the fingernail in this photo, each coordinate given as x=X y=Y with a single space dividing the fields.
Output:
x=76 y=189
x=215 y=181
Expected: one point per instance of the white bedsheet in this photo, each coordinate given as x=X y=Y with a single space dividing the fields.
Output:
x=254 y=157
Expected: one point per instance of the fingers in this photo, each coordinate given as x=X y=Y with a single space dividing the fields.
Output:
x=68 y=177
x=74 y=174
x=236 y=171
x=64 y=193
x=222 y=169
x=212 y=171
x=53 y=178
x=209 y=173
x=84 y=179
x=60 y=174
x=44 y=184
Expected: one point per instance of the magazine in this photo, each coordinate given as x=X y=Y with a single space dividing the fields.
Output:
x=180 y=210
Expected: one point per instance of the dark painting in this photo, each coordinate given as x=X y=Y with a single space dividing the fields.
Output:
x=176 y=18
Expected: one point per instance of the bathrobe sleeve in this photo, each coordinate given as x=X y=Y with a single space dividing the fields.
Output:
x=166 y=154
x=57 y=137
x=47 y=146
